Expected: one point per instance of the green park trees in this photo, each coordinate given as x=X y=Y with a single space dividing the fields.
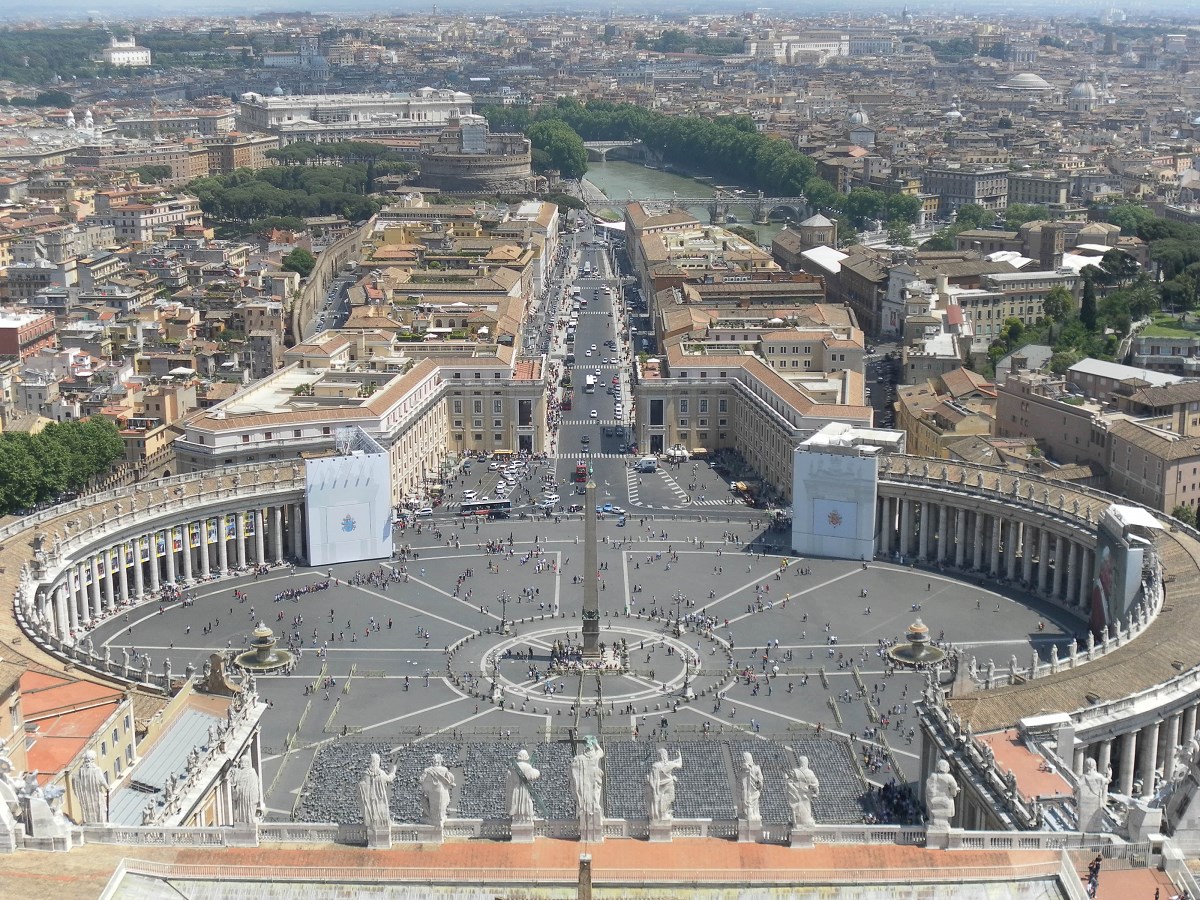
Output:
x=299 y=260
x=557 y=146
x=62 y=457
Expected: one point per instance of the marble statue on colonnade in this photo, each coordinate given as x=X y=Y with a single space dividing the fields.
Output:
x=521 y=777
x=802 y=789
x=1091 y=795
x=436 y=783
x=91 y=790
x=750 y=784
x=940 y=792
x=587 y=777
x=373 y=793
x=247 y=796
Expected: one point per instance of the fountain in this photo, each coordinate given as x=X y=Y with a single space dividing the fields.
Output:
x=263 y=655
x=919 y=651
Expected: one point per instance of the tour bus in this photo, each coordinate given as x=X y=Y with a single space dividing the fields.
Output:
x=574 y=290
x=581 y=473
x=589 y=384
x=485 y=508
x=587 y=268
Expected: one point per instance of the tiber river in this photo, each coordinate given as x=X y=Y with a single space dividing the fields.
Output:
x=619 y=180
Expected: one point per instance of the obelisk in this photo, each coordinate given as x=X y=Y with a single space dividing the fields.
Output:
x=591 y=599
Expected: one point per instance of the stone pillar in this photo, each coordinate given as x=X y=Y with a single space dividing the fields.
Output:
x=241 y=540
x=1043 y=561
x=139 y=576
x=260 y=552
x=277 y=532
x=1171 y=741
x=1189 y=722
x=942 y=537
x=222 y=546
x=187 y=553
x=1060 y=565
x=1104 y=759
x=1071 y=591
x=1085 y=578
x=67 y=602
x=977 y=556
x=205 y=567
x=925 y=528
x=1148 y=756
x=170 y=557
x=994 y=543
x=109 y=575
x=906 y=527
x=1028 y=535
x=154 y=563
x=1010 y=549
x=94 y=564
x=960 y=537
x=76 y=597
x=1077 y=759
x=123 y=571
x=63 y=626
x=1125 y=776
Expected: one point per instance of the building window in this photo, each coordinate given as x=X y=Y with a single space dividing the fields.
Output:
x=703 y=404
x=458 y=423
x=458 y=407
x=245 y=438
x=722 y=405
x=325 y=430
x=478 y=438
x=498 y=438
x=296 y=433
x=497 y=423
x=478 y=407
x=683 y=423
x=497 y=407
x=478 y=423
x=683 y=405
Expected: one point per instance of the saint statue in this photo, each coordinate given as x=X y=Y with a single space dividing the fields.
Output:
x=750 y=783
x=436 y=783
x=1091 y=795
x=940 y=791
x=520 y=780
x=91 y=790
x=660 y=787
x=587 y=777
x=373 y=792
x=802 y=789
x=247 y=799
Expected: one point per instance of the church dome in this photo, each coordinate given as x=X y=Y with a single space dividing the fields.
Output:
x=1028 y=81
x=858 y=117
x=1084 y=90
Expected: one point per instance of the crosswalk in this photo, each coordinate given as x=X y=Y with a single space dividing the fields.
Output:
x=633 y=489
x=607 y=423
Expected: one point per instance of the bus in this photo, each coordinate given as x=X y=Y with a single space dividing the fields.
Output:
x=581 y=473
x=485 y=507
x=589 y=384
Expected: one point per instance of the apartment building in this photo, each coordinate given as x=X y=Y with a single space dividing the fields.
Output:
x=959 y=185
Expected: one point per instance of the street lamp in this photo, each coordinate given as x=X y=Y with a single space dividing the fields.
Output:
x=502 y=599
x=687 y=693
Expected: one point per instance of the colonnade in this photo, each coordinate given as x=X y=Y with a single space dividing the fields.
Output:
x=1048 y=557
x=136 y=566
x=1140 y=757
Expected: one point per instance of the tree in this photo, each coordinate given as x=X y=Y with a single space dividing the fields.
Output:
x=1185 y=514
x=1056 y=305
x=972 y=215
x=153 y=174
x=899 y=233
x=941 y=240
x=1118 y=267
x=1087 y=308
x=558 y=146
x=299 y=260
x=1130 y=217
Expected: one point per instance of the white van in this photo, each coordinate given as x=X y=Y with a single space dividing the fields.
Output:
x=647 y=464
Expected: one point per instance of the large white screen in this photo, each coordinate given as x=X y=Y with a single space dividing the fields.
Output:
x=833 y=504
x=349 y=508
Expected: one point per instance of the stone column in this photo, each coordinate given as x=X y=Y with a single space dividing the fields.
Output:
x=960 y=537
x=241 y=540
x=260 y=552
x=1171 y=738
x=170 y=557
x=139 y=576
x=277 y=533
x=222 y=546
x=925 y=527
x=1189 y=722
x=1028 y=538
x=62 y=619
x=109 y=600
x=1043 y=561
x=994 y=543
x=1085 y=578
x=1125 y=776
x=1060 y=565
x=977 y=556
x=205 y=567
x=123 y=571
x=95 y=568
x=64 y=609
x=187 y=553
x=1148 y=755
x=76 y=596
x=1104 y=759
x=942 y=537
x=1014 y=539
x=906 y=527
x=1073 y=573
x=154 y=563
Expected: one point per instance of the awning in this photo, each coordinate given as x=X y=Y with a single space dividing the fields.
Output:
x=699 y=451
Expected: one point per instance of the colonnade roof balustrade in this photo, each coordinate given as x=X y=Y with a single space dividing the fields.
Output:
x=1168 y=648
x=82 y=526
